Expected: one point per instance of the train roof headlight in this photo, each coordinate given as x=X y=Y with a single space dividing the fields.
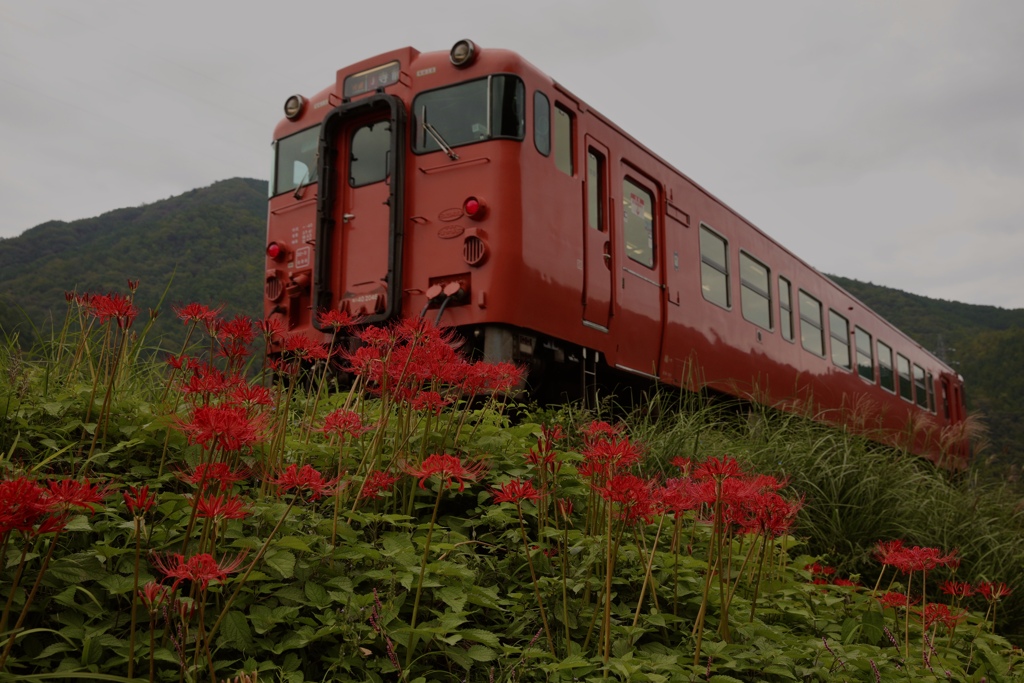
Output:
x=463 y=53
x=293 y=106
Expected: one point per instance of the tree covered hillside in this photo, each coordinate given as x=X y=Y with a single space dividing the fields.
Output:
x=205 y=245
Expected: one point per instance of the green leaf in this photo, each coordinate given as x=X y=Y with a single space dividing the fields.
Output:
x=292 y=543
x=481 y=653
x=116 y=584
x=453 y=597
x=281 y=561
x=317 y=595
x=480 y=636
x=234 y=631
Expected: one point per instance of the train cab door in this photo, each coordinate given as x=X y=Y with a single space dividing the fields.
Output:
x=638 y=275
x=597 y=240
x=359 y=224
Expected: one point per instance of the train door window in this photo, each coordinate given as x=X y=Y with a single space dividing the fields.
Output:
x=920 y=390
x=714 y=267
x=786 y=308
x=369 y=152
x=839 y=338
x=812 y=330
x=865 y=361
x=541 y=123
x=886 y=377
x=638 y=223
x=945 y=401
x=563 y=140
x=931 y=393
x=755 y=291
x=595 y=190
x=906 y=385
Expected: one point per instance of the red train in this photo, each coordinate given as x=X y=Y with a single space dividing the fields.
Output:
x=470 y=187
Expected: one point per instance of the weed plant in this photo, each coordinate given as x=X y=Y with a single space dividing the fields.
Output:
x=209 y=517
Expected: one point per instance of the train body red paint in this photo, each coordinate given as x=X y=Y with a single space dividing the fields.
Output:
x=486 y=196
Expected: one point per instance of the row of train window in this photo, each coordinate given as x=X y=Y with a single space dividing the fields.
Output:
x=908 y=379
x=895 y=372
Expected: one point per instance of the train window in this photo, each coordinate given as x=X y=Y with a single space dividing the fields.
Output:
x=812 y=330
x=469 y=112
x=931 y=392
x=755 y=292
x=865 y=360
x=945 y=402
x=786 y=308
x=563 y=140
x=638 y=222
x=903 y=370
x=920 y=390
x=595 y=190
x=886 y=377
x=541 y=123
x=368 y=154
x=714 y=267
x=295 y=161
x=839 y=337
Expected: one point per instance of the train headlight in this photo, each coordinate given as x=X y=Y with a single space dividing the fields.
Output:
x=463 y=53
x=293 y=106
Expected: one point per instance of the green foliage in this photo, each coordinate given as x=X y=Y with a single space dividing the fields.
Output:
x=430 y=581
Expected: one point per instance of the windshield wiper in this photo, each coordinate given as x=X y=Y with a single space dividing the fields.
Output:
x=306 y=179
x=429 y=127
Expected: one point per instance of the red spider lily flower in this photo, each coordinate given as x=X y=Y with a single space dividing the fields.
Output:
x=305 y=482
x=681 y=495
x=918 y=559
x=958 y=589
x=239 y=329
x=196 y=313
x=206 y=475
x=894 y=600
x=251 y=395
x=23 y=504
x=133 y=285
x=634 y=495
x=506 y=377
x=305 y=347
x=139 y=501
x=226 y=427
x=113 y=306
x=600 y=430
x=604 y=457
x=221 y=506
x=271 y=328
x=429 y=402
x=344 y=422
x=68 y=493
x=885 y=551
x=684 y=464
x=204 y=380
x=718 y=469
x=936 y=612
x=515 y=491
x=993 y=591
x=376 y=483
x=176 y=362
x=337 y=320
x=845 y=583
x=153 y=595
x=544 y=454
x=564 y=506
x=201 y=569
x=446 y=468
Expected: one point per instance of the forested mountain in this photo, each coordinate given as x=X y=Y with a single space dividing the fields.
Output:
x=207 y=246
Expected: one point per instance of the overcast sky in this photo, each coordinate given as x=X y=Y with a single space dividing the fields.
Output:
x=879 y=140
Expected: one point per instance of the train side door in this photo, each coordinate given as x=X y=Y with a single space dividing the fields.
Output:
x=359 y=228
x=638 y=276
x=597 y=240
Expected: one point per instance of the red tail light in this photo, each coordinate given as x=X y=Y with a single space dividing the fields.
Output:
x=474 y=208
x=275 y=251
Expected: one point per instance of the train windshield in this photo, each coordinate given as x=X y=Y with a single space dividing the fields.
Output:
x=462 y=114
x=295 y=161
